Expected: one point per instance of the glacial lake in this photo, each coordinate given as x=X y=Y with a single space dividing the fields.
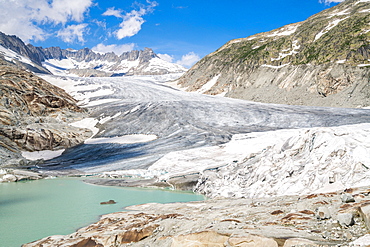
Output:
x=32 y=210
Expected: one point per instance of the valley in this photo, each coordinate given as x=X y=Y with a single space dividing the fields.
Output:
x=272 y=130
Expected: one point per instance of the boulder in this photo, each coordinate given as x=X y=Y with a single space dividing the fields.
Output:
x=346 y=198
x=346 y=219
x=9 y=178
x=323 y=213
x=108 y=202
x=363 y=241
x=364 y=210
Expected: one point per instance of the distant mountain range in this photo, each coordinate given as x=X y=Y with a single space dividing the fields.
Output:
x=322 y=61
x=84 y=62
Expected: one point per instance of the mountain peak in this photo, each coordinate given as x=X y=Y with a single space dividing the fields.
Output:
x=84 y=62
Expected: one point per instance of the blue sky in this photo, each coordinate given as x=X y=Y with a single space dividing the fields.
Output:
x=181 y=31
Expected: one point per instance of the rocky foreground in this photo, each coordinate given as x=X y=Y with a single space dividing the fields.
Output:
x=330 y=219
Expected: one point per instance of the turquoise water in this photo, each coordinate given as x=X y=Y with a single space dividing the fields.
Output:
x=35 y=209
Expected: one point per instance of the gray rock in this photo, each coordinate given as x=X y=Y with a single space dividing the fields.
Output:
x=365 y=213
x=346 y=219
x=323 y=213
x=346 y=198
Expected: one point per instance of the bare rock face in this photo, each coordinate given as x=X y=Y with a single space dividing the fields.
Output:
x=112 y=230
x=280 y=221
x=28 y=51
x=34 y=115
x=201 y=239
x=323 y=61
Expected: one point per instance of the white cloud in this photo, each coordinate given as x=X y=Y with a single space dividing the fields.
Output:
x=188 y=60
x=113 y=12
x=132 y=21
x=331 y=1
x=72 y=33
x=117 y=49
x=24 y=17
x=166 y=57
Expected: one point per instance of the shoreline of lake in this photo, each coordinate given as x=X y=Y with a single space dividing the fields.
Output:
x=31 y=210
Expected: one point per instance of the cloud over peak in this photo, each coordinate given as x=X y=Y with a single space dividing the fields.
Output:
x=25 y=18
x=73 y=33
x=117 y=49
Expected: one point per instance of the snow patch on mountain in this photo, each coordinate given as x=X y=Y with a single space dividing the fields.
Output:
x=85 y=62
x=209 y=84
x=285 y=31
x=330 y=26
x=11 y=55
x=362 y=1
x=295 y=49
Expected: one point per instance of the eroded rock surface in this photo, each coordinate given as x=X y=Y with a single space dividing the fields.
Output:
x=279 y=221
x=34 y=115
x=15 y=175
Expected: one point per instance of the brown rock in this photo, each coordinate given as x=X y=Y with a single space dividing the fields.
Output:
x=276 y=212
x=108 y=202
x=252 y=241
x=295 y=242
x=200 y=239
x=87 y=243
x=134 y=234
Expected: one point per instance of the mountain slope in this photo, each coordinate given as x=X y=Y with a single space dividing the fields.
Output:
x=323 y=61
x=21 y=55
x=86 y=62
x=34 y=115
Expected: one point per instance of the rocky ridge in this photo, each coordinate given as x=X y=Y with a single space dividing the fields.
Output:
x=34 y=115
x=323 y=61
x=87 y=63
x=84 y=62
x=23 y=56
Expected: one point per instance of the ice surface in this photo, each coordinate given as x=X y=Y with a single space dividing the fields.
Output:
x=88 y=123
x=127 y=139
x=45 y=154
x=145 y=105
x=287 y=162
